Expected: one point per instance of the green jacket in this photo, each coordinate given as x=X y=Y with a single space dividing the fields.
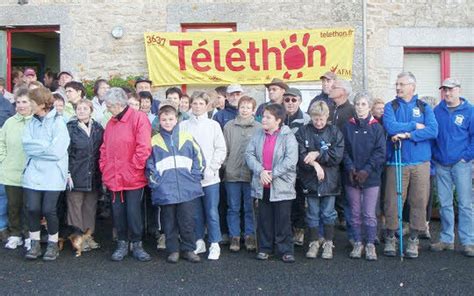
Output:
x=12 y=156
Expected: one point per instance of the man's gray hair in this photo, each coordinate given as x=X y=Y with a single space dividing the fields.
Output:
x=115 y=96
x=409 y=75
x=346 y=85
x=364 y=96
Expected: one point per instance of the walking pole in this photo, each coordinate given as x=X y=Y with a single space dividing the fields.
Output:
x=399 y=184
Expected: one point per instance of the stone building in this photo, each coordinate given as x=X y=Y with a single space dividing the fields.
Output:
x=433 y=39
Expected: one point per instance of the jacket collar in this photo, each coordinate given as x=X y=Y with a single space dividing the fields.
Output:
x=19 y=117
x=464 y=104
x=244 y=122
x=199 y=118
x=124 y=115
x=412 y=101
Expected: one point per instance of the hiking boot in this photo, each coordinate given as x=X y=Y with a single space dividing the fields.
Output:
x=200 y=247
x=441 y=246
x=235 y=244
x=161 y=243
x=327 y=250
x=412 y=248
x=357 y=251
x=298 y=237
x=52 y=252
x=468 y=250
x=139 y=253
x=370 y=252
x=173 y=257
x=191 y=257
x=250 y=243
x=35 y=250
x=390 y=249
x=214 y=251
x=313 y=250
x=121 y=251
x=13 y=242
x=426 y=233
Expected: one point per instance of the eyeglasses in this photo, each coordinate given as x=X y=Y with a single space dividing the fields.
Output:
x=402 y=84
x=293 y=100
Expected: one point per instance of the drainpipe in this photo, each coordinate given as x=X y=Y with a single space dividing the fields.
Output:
x=364 y=43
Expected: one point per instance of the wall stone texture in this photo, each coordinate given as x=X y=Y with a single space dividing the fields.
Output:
x=89 y=50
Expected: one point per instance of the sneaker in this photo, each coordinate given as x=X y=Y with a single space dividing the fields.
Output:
x=288 y=258
x=214 y=251
x=93 y=245
x=27 y=244
x=121 y=251
x=468 y=250
x=250 y=243
x=412 y=248
x=425 y=234
x=13 y=242
x=441 y=246
x=235 y=244
x=200 y=247
x=298 y=237
x=85 y=246
x=52 y=252
x=327 y=250
x=139 y=253
x=161 y=243
x=370 y=252
x=313 y=250
x=173 y=257
x=390 y=249
x=191 y=257
x=357 y=251
x=35 y=250
x=262 y=256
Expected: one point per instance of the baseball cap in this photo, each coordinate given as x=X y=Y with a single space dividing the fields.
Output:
x=450 y=83
x=65 y=72
x=234 y=88
x=293 y=92
x=29 y=72
x=142 y=79
x=329 y=75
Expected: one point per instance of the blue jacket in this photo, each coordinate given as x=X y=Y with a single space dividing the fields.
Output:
x=6 y=110
x=45 y=141
x=225 y=115
x=455 y=139
x=364 y=149
x=417 y=149
x=174 y=168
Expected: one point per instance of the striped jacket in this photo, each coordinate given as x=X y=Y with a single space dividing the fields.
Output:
x=174 y=169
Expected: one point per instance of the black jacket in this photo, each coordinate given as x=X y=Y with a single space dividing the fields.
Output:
x=341 y=114
x=364 y=149
x=329 y=142
x=84 y=156
x=325 y=98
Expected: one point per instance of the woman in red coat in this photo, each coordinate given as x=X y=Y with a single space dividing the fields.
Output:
x=123 y=154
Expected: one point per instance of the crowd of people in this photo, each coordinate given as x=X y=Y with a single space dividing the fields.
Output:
x=218 y=170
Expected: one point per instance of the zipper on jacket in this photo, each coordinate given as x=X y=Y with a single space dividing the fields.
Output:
x=175 y=170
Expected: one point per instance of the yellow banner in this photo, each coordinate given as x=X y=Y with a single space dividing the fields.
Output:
x=248 y=57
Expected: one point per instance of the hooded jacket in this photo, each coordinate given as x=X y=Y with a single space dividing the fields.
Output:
x=297 y=120
x=285 y=158
x=125 y=150
x=237 y=134
x=45 y=142
x=455 y=139
x=208 y=135
x=329 y=142
x=174 y=169
x=364 y=141
x=225 y=115
x=416 y=149
x=12 y=155
x=84 y=154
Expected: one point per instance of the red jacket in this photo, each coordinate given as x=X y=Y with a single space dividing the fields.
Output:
x=123 y=154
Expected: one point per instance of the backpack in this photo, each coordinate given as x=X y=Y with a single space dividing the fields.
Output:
x=419 y=103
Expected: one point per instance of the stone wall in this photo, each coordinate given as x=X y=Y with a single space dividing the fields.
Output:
x=89 y=50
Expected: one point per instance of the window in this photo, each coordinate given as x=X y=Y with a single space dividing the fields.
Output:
x=432 y=65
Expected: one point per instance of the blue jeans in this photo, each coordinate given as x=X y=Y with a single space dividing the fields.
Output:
x=236 y=192
x=320 y=208
x=3 y=208
x=458 y=175
x=207 y=213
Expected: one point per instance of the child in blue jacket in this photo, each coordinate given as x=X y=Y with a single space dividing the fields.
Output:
x=174 y=170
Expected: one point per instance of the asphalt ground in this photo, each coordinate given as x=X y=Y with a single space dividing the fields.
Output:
x=445 y=273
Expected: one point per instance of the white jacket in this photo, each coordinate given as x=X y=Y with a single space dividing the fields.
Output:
x=209 y=136
x=99 y=111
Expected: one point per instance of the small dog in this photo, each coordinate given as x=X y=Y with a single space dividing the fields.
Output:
x=75 y=236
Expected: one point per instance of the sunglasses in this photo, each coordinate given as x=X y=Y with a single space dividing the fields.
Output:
x=293 y=100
